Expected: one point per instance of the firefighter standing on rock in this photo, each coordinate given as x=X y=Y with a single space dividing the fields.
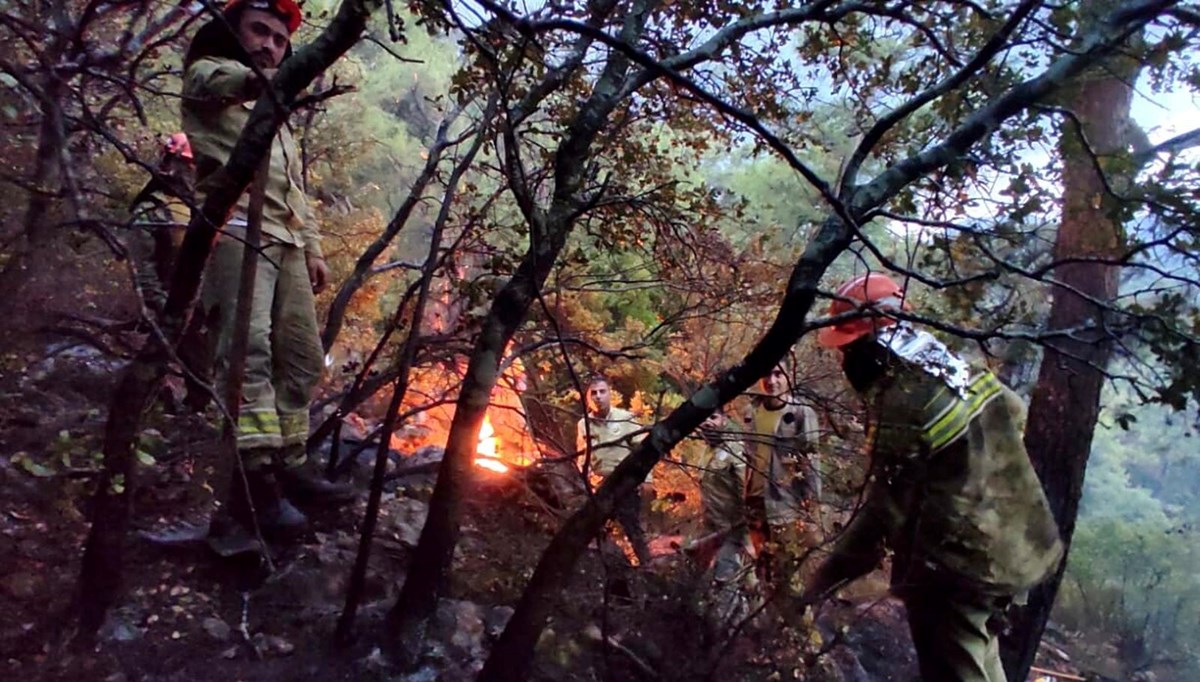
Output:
x=285 y=358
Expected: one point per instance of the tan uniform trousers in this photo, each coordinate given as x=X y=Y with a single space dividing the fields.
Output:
x=284 y=358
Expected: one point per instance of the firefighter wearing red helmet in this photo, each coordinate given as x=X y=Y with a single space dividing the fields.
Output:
x=951 y=492
x=226 y=68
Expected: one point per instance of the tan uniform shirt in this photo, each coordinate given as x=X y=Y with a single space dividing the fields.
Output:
x=218 y=96
x=722 y=486
x=610 y=439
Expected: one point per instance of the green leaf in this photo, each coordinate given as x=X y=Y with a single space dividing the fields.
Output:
x=31 y=467
x=146 y=458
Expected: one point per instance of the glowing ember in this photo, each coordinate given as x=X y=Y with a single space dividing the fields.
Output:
x=488 y=455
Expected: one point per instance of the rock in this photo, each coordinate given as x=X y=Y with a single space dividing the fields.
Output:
x=273 y=645
x=425 y=673
x=405 y=519
x=117 y=630
x=426 y=455
x=230 y=653
x=848 y=666
x=217 y=629
x=283 y=646
x=459 y=624
x=375 y=661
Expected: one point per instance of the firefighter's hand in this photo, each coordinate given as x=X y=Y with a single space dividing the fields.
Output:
x=318 y=272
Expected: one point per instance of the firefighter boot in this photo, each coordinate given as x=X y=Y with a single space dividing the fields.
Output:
x=303 y=480
x=277 y=518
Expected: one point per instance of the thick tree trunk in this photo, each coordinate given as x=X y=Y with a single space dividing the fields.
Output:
x=100 y=577
x=30 y=257
x=1066 y=400
x=425 y=583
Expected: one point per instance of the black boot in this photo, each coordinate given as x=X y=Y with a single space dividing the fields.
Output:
x=231 y=530
x=277 y=518
x=306 y=482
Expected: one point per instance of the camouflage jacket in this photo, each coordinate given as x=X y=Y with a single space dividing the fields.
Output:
x=722 y=486
x=952 y=490
x=218 y=95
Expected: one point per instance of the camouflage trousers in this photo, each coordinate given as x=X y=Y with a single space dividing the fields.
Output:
x=628 y=515
x=955 y=634
x=284 y=358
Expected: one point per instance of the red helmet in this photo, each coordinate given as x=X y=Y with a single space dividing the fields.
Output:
x=877 y=290
x=287 y=10
x=178 y=145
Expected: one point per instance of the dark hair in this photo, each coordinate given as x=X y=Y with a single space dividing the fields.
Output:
x=595 y=379
x=217 y=39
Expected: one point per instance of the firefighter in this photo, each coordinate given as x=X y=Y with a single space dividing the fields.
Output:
x=951 y=492
x=783 y=486
x=285 y=358
x=159 y=217
x=605 y=436
x=726 y=538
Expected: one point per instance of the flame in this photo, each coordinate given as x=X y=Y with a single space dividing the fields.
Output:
x=487 y=452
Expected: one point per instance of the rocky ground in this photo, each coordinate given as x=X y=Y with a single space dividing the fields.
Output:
x=187 y=615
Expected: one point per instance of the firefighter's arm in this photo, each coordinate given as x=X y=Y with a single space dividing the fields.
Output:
x=223 y=81
x=310 y=230
x=857 y=552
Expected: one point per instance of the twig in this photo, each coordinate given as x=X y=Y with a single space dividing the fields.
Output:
x=593 y=633
x=244 y=627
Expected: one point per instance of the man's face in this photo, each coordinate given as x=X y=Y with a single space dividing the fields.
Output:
x=775 y=384
x=599 y=398
x=264 y=36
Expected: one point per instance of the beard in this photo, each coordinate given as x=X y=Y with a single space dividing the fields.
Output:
x=864 y=362
x=264 y=60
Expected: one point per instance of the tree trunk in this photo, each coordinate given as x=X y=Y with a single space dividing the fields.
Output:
x=1066 y=400
x=31 y=257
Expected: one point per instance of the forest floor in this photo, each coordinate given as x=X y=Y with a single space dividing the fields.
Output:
x=187 y=615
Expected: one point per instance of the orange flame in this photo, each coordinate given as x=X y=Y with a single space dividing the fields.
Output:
x=488 y=450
